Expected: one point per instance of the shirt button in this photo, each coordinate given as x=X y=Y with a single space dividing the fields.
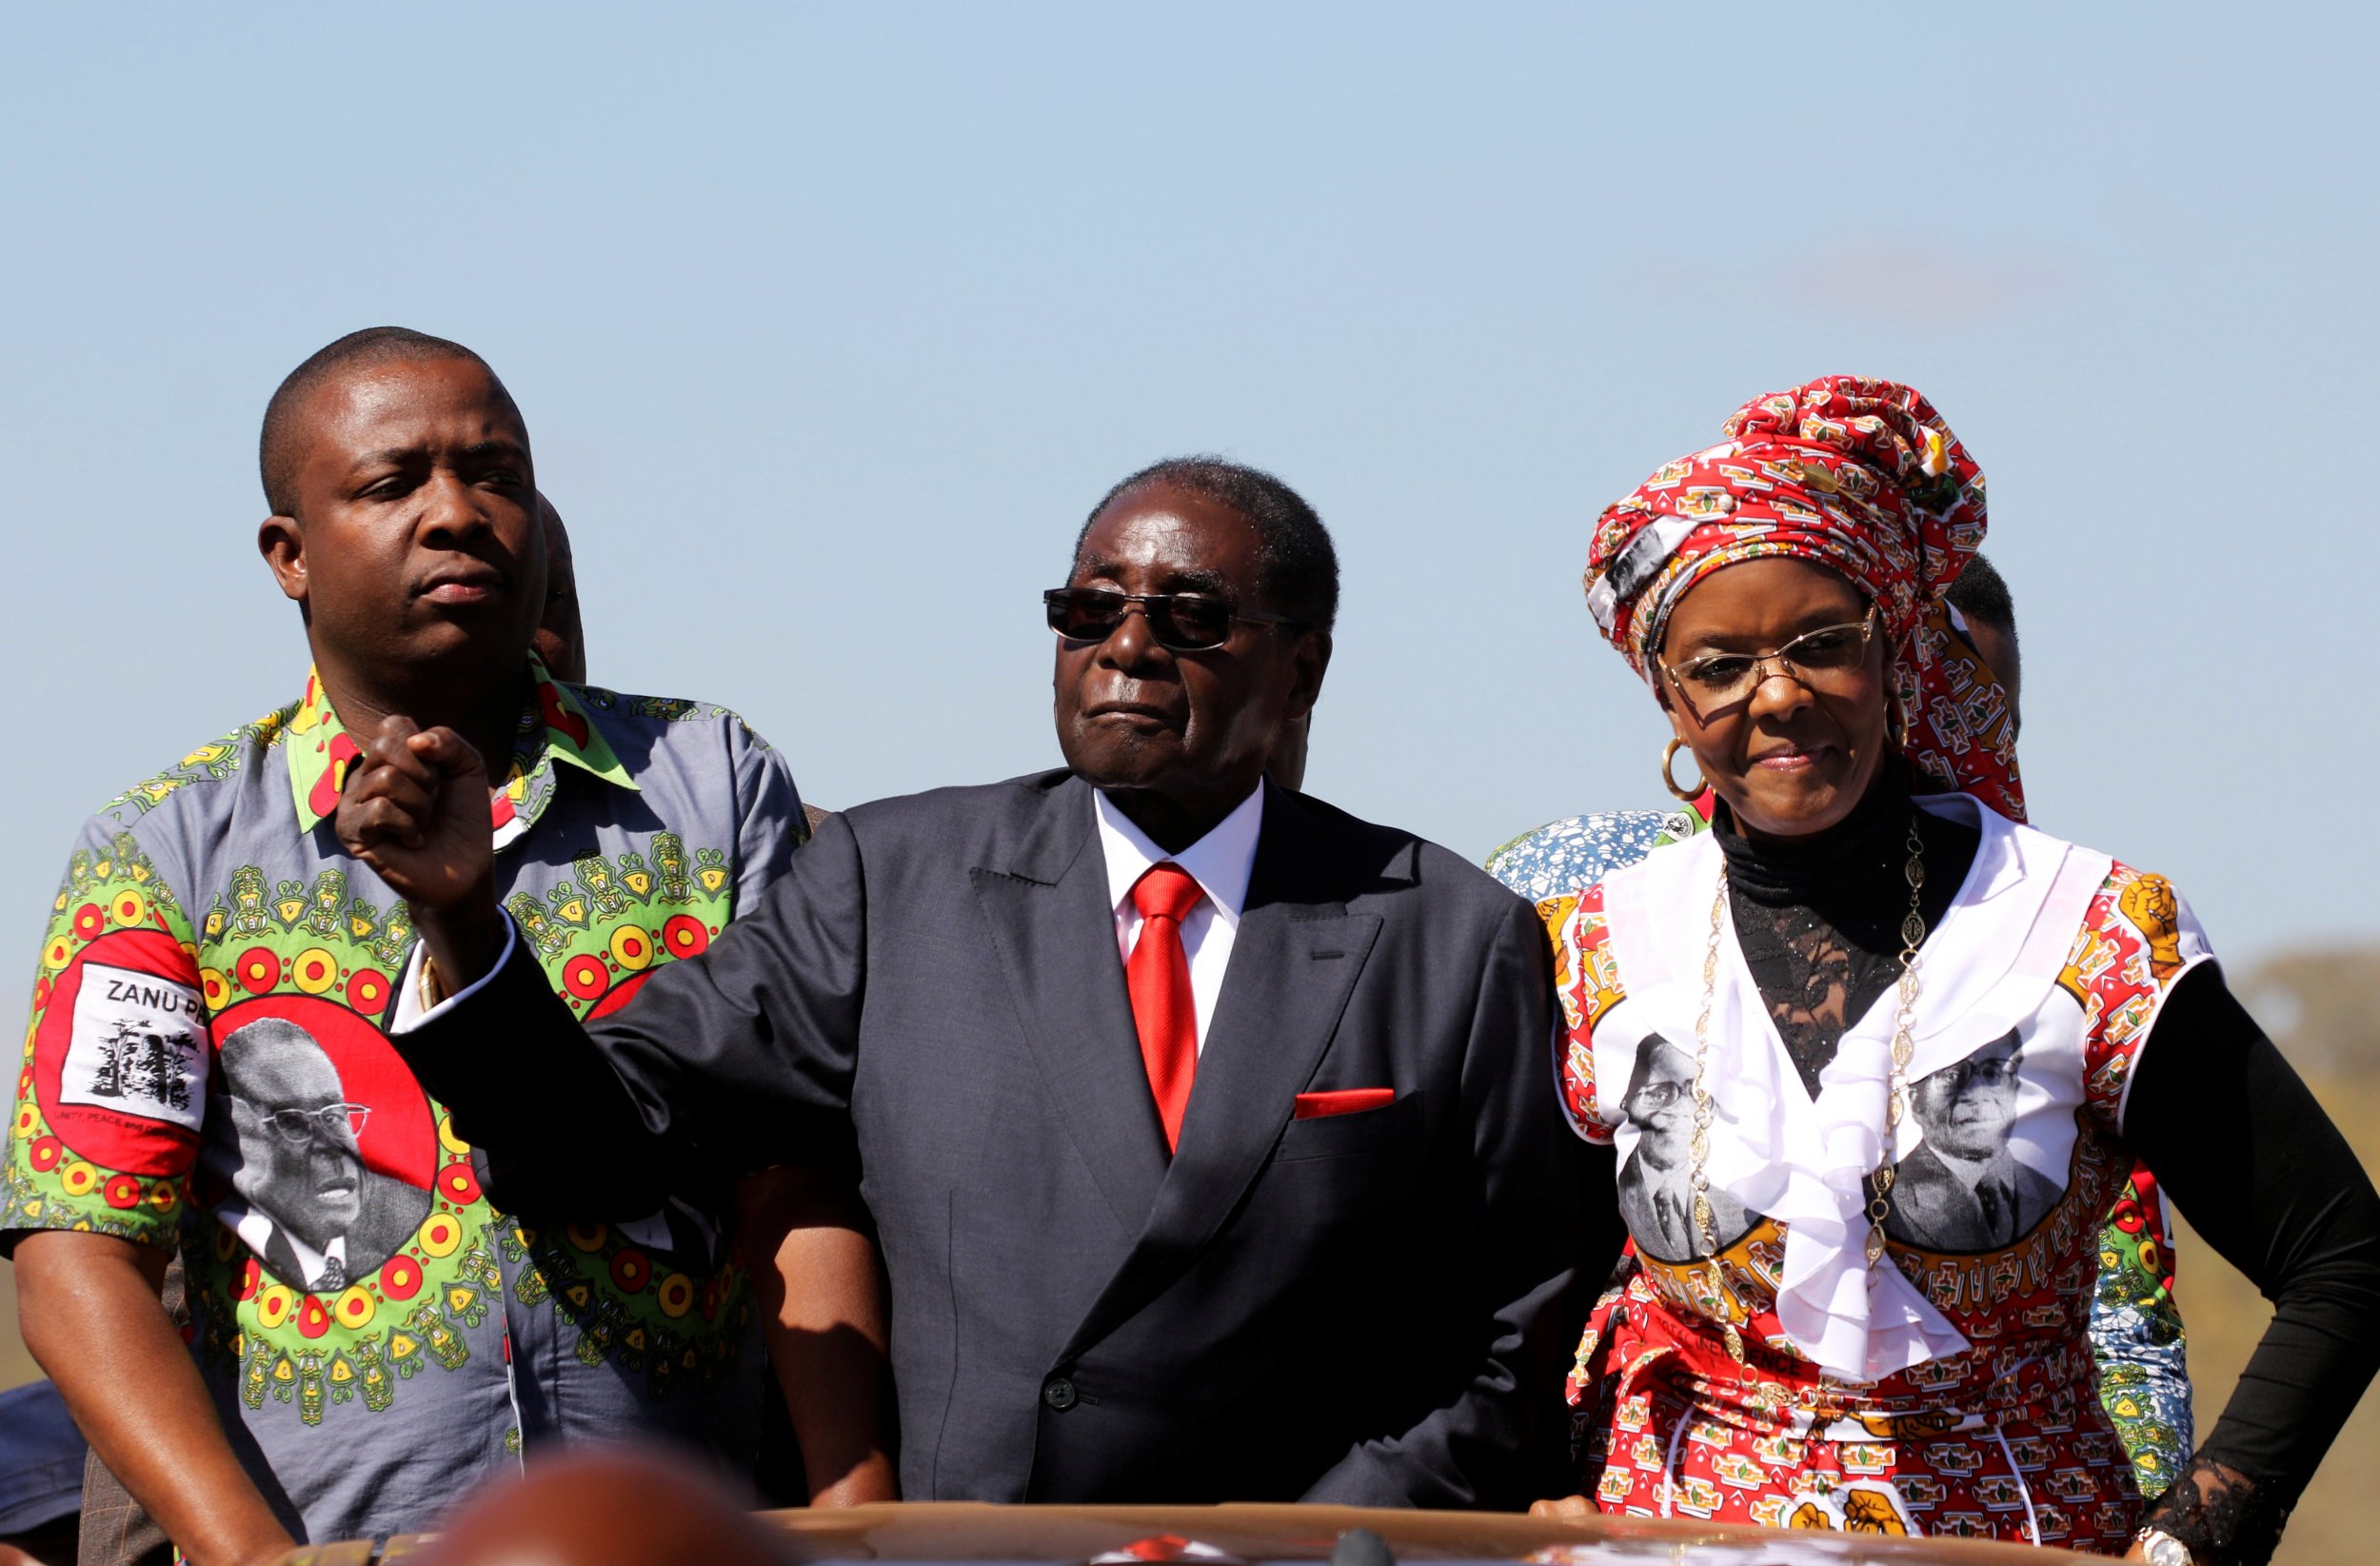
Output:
x=1058 y=1394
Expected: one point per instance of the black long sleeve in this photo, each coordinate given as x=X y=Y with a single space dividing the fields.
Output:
x=730 y=1062
x=2254 y=1163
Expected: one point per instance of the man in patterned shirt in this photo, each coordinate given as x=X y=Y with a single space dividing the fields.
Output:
x=206 y=1069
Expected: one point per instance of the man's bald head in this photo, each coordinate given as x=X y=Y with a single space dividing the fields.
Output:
x=276 y=1063
x=607 y=1506
x=280 y=448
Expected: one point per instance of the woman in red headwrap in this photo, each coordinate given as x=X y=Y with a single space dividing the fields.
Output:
x=1874 y=1057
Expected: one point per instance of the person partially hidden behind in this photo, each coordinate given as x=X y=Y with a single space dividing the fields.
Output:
x=1206 y=1128
x=304 y=1202
x=561 y=635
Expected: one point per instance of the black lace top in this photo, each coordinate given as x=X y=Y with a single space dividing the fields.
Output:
x=1820 y=919
x=2217 y=1114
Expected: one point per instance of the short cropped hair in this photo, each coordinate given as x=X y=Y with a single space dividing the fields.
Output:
x=1981 y=593
x=278 y=448
x=1297 y=564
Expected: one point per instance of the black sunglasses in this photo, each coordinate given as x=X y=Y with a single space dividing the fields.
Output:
x=1184 y=621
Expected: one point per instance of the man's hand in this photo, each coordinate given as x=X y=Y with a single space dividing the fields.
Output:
x=415 y=809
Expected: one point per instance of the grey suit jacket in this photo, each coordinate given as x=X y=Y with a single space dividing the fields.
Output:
x=1373 y=1307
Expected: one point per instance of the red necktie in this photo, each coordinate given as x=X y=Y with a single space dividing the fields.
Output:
x=1158 y=977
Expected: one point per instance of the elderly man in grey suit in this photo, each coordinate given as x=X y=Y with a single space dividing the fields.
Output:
x=1209 y=1132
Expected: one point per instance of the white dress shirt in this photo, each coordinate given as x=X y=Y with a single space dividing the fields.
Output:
x=256 y=1231
x=1221 y=863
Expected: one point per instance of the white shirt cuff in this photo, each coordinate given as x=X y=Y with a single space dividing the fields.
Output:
x=409 y=1012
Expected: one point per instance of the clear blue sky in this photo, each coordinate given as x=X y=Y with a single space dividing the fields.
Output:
x=829 y=323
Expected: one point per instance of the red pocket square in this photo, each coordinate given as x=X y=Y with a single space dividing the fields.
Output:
x=1347 y=1101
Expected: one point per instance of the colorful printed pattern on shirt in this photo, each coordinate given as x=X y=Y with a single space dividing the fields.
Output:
x=1575 y=853
x=1691 y=1399
x=2136 y=1337
x=234 y=1062
x=422 y=1244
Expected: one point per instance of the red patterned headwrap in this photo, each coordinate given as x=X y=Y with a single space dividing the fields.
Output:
x=1861 y=476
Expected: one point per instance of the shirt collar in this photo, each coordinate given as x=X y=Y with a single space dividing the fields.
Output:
x=1221 y=863
x=321 y=751
x=257 y=1230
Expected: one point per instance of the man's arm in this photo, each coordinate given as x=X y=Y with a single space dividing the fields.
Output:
x=736 y=1059
x=91 y=1315
x=1544 y=1218
x=805 y=1239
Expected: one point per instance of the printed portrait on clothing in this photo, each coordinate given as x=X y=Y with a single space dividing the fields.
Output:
x=1964 y=1189
x=1656 y=1182
x=304 y=1199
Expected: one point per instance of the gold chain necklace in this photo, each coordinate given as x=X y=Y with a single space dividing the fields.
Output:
x=1904 y=1044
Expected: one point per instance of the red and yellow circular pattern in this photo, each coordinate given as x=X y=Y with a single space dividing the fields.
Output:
x=585 y=977
x=355 y=1309
x=440 y=1234
x=45 y=1154
x=215 y=987
x=276 y=1305
x=631 y=948
x=123 y=1191
x=258 y=969
x=685 y=935
x=586 y=1236
x=675 y=1295
x=129 y=908
x=78 y=1179
x=401 y=1278
x=630 y=1271
x=315 y=970
x=90 y=923
x=313 y=1318
x=458 y=1184
x=367 y=990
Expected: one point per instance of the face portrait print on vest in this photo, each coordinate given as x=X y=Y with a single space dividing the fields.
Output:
x=1353 y=1278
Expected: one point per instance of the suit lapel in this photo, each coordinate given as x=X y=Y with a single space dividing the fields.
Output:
x=1293 y=965
x=1046 y=911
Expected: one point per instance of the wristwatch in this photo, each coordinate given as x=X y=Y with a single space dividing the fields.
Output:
x=2163 y=1549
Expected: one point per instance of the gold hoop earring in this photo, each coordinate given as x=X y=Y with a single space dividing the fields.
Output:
x=1669 y=758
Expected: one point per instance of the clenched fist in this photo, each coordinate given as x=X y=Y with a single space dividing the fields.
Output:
x=415 y=809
